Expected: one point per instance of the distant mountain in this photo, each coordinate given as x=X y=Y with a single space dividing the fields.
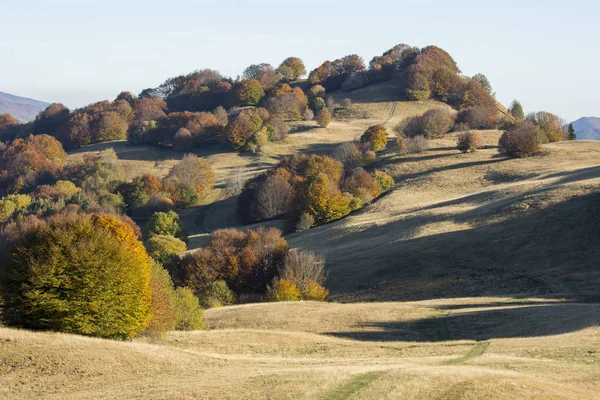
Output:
x=587 y=128
x=21 y=108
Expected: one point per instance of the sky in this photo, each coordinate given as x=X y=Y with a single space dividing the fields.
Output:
x=543 y=53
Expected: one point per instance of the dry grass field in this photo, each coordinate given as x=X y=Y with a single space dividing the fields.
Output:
x=470 y=348
x=476 y=277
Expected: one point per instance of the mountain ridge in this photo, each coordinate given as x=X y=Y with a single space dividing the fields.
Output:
x=22 y=108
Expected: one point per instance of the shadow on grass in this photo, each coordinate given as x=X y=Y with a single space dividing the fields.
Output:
x=508 y=321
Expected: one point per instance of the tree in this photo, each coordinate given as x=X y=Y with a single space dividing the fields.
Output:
x=162 y=307
x=571 y=132
x=183 y=140
x=247 y=261
x=483 y=81
x=273 y=198
x=324 y=200
x=292 y=68
x=249 y=92
x=50 y=120
x=188 y=312
x=25 y=162
x=552 y=125
x=166 y=223
x=159 y=246
x=194 y=172
x=283 y=290
x=376 y=137
x=468 y=141
x=82 y=274
x=522 y=140
x=323 y=117
x=516 y=110
x=7 y=120
x=302 y=267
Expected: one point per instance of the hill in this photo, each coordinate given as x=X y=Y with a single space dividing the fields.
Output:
x=587 y=128
x=21 y=108
x=493 y=348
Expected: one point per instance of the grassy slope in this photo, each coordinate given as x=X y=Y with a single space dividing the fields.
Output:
x=508 y=245
x=442 y=349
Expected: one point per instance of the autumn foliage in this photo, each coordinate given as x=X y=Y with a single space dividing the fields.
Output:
x=81 y=274
x=375 y=137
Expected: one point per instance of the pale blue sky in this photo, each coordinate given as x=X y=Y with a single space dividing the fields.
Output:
x=545 y=53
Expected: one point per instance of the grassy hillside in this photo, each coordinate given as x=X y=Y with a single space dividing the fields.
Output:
x=495 y=348
x=475 y=277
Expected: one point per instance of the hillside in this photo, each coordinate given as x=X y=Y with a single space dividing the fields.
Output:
x=493 y=348
x=21 y=108
x=587 y=128
x=474 y=277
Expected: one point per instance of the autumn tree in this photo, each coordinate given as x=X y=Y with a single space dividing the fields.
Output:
x=323 y=117
x=194 y=172
x=166 y=223
x=162 y=307
x=292 y=68
x=522 y=140
x=82 y=274
x=249 y=92
x=376 y=137
x=324 y=200
x=49 y=121
x=552 y=125
x=7 y=120
x=26 y=161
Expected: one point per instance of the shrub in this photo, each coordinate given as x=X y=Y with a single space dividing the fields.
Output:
x=273 y=198
x=183 y=140
x=301 y=268
x=323 y=117
x=318 y=104
x=383 y=180
x=522 y=140
x=282 y=290
x=308 y=115
x=80 y=274
x=246 y=261
x=346 y=103
x=468 y=141
x=194 y=172
x=216 y=294
x=249 y=92
x=189 y=315
x=417 y=144
x=277 y=128
x=401 y=144
x=111 y=202
x=13 y=203
x=315 y=292
x=165 y=223
x=376 y=137
x=324 y=200
x=159 y=246
x=162 y=308
x=480 y=117
x=306 y=221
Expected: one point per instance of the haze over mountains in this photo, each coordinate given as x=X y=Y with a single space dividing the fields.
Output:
x=587 y=128
x=21 y=108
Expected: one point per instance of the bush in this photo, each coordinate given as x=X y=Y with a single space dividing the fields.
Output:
x=522 y=140
x=162 y=308
x=315 y=292
x=376 y=137
x=189 y=315
x=159 y=246
x=80 y=274
x=324 y=200
x=165 y=223
x=282 y=290
x=323 y=117
x=183 y=140
x=433 y=124
x=301 y=268
x=308 y=115
x=194 y=172
x=306 y=221
x=383 y=180
x=417 y=145
x=216 y=294
x=468 y=141
x=247 y=261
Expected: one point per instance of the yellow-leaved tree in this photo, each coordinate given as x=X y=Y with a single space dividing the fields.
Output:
x=83 y=274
